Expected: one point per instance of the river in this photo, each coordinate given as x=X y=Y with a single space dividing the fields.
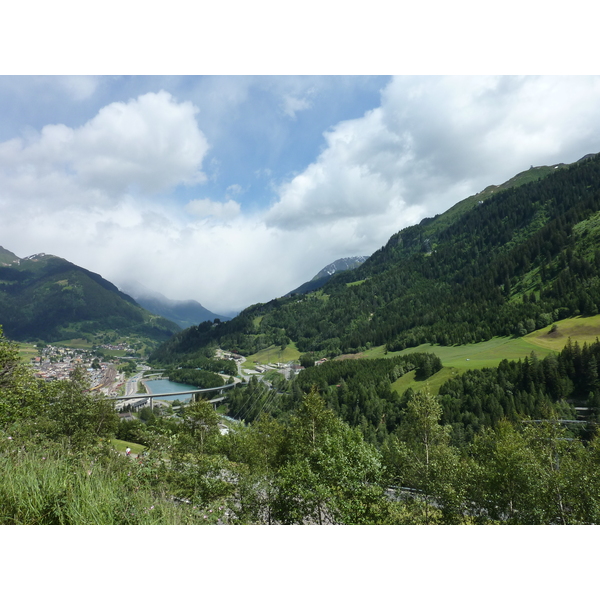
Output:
x=164 y=386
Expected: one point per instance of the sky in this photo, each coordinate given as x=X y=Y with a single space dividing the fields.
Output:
x=228 y=154
x=233 y=190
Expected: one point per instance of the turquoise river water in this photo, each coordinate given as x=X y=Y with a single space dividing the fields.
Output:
x=164 y=386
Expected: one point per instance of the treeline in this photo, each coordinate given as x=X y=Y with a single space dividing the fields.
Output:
x=360 y=392
x=249 y=402
x=521 y=473
x=514 y=473
x=215 y=365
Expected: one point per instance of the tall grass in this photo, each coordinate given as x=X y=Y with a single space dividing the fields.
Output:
x=53 y=487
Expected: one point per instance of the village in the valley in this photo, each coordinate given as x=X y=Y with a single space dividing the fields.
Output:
x=106 y=374
x=55 y=363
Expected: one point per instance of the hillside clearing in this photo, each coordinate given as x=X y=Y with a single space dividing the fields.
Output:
x=27 y=351
x=122 y=446
x=272 y=354
x=458 y=359
x=579 y=329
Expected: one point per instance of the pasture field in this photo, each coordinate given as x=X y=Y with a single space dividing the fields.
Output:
x=353 y=283
x=272 y=354
x=472 y=356
x=77 y=343
x=27 y=351
x=579 y=329
x=483 y=354
x=432 y=384
x=458 y=359
x=113 y=353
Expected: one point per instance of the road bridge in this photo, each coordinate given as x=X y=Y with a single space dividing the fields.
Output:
x=137 y=397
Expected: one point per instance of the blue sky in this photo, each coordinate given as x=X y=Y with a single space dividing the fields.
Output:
x=233 y=190
x=260 y=129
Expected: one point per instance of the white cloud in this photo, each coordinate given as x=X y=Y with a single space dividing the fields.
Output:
x=433 y=141
x=150 y=144
x=234 y=190
x=206 y=208
x=353 y=177
x=79 y=87
x=224 y=265
x=291 y=105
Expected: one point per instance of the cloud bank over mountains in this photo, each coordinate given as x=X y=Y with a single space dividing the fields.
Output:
x=127 y=192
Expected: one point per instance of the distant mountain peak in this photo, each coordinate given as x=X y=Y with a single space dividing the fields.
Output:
x=39 y=256
x=588 y=156
x=342 y=264
x=325 y=274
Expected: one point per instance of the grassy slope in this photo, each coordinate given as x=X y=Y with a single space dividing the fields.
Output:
x=121 y=446
x=27 y=351
x=352 y=283
x=458 y=359
x=7 y=257
x=272 y=354
x=579 y=329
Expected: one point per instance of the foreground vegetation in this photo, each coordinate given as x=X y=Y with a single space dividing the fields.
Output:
x=302 y=463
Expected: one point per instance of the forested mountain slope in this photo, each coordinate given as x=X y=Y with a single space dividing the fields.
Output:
x=46 y=297
x=506 y=261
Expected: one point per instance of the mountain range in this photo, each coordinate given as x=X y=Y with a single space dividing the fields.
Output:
x=505 y=261
x=44 y=297
x=183 y=312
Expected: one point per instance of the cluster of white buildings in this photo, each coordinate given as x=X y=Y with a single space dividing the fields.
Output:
x=122 y=346
x=57 y=363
